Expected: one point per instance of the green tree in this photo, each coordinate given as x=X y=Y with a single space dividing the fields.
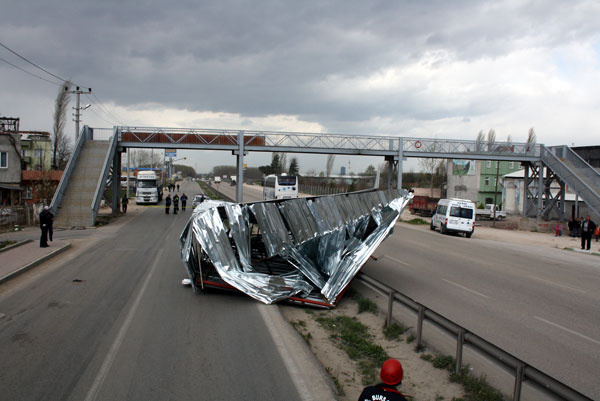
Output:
x=294 y=168
x=276 y=164
x=369 y=171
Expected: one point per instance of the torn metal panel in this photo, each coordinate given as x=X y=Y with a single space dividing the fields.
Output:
x=305 y=250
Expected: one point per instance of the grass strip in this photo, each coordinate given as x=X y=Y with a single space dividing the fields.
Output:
x=417 y=221
x=354 y=338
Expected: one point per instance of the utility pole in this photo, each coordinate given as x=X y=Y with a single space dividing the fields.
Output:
x=78 y=92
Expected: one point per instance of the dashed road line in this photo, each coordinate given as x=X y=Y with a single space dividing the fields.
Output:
x=465 y=288
x=557 y=284
x=567 y=330
x=395 y=260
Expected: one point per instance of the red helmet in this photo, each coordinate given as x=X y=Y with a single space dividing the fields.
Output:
x=391 y=372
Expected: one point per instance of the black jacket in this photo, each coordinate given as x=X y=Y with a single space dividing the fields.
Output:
x=372 y=392
x=590 y=228
x=46 y=218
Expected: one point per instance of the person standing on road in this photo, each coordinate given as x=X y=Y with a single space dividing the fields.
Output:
x=124 y=203
x=571 y=226
x=175 y=204
x=587 y=229
x=167 y=203
x=45 y=223
x=177 y=187
x=183 y=202
x=391 y=375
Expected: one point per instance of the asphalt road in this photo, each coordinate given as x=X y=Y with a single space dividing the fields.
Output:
x=540 y=304
x=115 y=323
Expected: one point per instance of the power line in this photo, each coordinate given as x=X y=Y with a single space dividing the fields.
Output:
x=100 y=117
x=108 y=112
x=32 y=63
x=28 y=72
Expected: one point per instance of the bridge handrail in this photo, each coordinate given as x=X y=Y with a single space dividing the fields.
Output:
x=104 y=175
x=589 y=194
x=522 y=370
x=68 y=172
x=379 y=143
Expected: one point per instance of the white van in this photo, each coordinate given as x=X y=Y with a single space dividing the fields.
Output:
x=454 y=215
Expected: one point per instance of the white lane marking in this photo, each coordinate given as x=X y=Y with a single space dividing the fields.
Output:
x=557 y=284
x=465 y=288
x=114 y=348
x=568 y=330
x=267 y=314
x=395 y=260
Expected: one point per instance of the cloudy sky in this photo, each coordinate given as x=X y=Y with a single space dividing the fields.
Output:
x=444 y=69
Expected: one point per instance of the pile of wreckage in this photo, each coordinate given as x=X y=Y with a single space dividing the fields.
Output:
x=304 y=250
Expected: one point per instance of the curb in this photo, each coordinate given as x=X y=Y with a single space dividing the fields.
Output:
x=7 y=248
x=33 y=264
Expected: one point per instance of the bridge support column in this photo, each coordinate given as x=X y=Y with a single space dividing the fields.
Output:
x=399 y=166
x=116 y=182
x=239 y=185
x=540 y=192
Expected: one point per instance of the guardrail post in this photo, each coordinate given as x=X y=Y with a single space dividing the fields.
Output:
x=518 y=382
x=460 y=339
x=388 y=320
x=420 y=325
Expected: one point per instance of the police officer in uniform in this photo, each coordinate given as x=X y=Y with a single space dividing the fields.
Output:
x=175 y=204
x=391 y=375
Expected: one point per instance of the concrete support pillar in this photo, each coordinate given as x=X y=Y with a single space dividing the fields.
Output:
x=390 y=163
x=239 y=185
x=116 y=182
x=525 y=194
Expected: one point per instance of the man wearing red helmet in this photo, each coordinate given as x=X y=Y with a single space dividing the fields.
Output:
x=391 y=375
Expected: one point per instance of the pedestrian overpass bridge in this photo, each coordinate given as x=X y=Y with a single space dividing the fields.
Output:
x=98 y=151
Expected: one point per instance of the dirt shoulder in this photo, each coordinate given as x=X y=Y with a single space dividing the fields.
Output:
x=422 y=380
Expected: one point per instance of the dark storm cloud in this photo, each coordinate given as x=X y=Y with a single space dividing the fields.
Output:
x=262 y=58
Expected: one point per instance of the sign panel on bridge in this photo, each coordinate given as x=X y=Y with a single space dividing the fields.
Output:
x=170 y=152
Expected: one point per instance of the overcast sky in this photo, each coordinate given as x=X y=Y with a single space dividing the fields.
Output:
x=444 y=69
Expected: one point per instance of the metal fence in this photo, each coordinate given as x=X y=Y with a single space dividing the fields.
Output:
x=21 y=215
x=521 y=370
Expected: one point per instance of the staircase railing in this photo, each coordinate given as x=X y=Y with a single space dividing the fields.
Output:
x=566 y=153
x=590 y=194
x=112 y=148
x=59 y=194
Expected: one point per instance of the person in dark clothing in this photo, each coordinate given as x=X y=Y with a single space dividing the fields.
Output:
x=391 y=374
x=45 y=223
x=587 y=229
x=167 y=204
x=175 y=204
x=183 y=201
x=124 y=203
x=177 y=187
x=571 y=225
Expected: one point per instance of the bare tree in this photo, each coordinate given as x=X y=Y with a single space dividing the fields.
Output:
x=282 y=161
x=61 y=150
x=479 y=141
x=531 y=137
x=429 y=166
x=329 y=165
x=491 y=140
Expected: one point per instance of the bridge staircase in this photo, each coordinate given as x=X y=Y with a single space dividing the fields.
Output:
x=77 y=198
x=581 y=178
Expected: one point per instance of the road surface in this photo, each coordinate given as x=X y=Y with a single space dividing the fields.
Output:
x=115 y=323
x=540 y=304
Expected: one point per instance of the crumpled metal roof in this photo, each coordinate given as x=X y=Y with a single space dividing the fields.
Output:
x=305 y=249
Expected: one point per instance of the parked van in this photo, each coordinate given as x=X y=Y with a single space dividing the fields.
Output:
x=454 y=215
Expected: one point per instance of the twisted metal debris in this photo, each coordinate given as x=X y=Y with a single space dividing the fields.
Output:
x=304 y=250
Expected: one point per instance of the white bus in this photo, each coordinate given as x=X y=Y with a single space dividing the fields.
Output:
x=149 y=189
x=280 y=187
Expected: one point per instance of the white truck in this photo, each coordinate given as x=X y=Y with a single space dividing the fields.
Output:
x=149 y=189
x=217 y=179
x=488 y=212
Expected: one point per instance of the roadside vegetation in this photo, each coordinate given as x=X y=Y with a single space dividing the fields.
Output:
x=417 y=221
x=208 y=191
x=4 y=244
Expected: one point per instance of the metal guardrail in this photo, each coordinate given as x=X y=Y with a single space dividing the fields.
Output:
x=590 y=195
x=522 y=371
x=104 y=175
x=66 y=177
